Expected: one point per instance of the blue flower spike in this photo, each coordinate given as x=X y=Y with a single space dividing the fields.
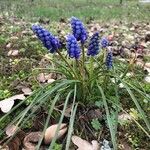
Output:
x=109 y=59
x=49 y=41
x=73 y=47
x=93 y=48
x=78 y=29
x=104 y=42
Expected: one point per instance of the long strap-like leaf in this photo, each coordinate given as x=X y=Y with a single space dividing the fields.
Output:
x=113 y=136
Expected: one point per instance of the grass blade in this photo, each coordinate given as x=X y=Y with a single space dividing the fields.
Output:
x=137 y=105
x=113 y=136
x=60 y=121
x=48 y=118
x=72 y=119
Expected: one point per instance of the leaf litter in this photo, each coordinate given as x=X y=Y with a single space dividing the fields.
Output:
x=136 y=41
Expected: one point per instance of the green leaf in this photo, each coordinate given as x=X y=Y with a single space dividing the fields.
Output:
x=137 y=105
x=96 y=124
x=110 y=124
x=60 y=120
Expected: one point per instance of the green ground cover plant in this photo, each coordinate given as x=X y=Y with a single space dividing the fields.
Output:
x=106 y=10
x=89 y=75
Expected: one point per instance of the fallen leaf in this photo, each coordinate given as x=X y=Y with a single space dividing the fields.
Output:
x=26 y=91
x=16 y=141
x=41 y=78
x=44 y=77
x=85 y=145
x=10 y=130
x=13 y=53
x=143 y=45
x=8 y=103
x=9 y=45
x=140 y=63
x=30 y=139
x=4 y=147
x=147 y=65
x=51 y=131
x=82 y=144
x=50 y=80
x=124 y=117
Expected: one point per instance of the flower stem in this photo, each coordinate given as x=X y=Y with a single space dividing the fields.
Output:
x=83 y=57
x=67 y=63
x=83 y=71
x=91 y=67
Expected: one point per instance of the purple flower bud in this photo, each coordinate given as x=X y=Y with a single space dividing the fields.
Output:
x=78 y=29
x=109 y=59
x=48 y=40
x=104 y=42
x=93 y=48
x=73 y=47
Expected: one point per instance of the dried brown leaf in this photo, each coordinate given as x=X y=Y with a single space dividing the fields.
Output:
x=8 y=103
x=85 y=145
x=13 y=53
x=30 y=139
x=26 y=91
x=10 y=130
x=51 y=131
x=41 y=78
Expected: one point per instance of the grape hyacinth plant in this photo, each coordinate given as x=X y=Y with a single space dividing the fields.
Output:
x=89 y=74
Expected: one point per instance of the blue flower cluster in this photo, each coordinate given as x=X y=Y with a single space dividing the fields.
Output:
x=78 y=29
x=93 y=48
x=73 y=47
x=104 y=42
x=48 y=40
x=79 y=34
x=109 y=60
